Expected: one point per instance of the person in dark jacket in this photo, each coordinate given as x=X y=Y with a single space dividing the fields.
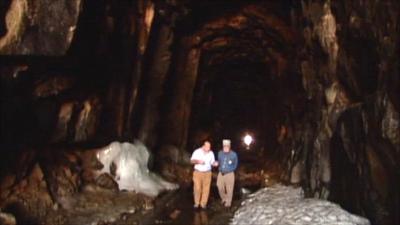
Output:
x=228 y=162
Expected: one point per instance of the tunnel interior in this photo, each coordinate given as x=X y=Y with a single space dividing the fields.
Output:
x=233 y=101
x=316 y=83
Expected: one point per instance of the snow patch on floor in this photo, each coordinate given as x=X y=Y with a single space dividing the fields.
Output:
x=132 y=173
x=284 y=205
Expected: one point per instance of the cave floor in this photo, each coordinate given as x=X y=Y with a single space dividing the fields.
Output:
x=176 y=208
x=97 y=206
x=100 y=207
x=105 y=207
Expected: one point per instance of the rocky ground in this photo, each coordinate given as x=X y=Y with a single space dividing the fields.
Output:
x=103 y=207
x=92 y=206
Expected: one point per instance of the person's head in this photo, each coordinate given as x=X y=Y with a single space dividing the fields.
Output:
x=206 y=146
x=226 y=145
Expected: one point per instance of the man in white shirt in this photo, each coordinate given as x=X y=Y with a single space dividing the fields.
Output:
x=203 y=159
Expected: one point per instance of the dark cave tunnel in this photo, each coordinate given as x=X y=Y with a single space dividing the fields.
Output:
x=316 y=83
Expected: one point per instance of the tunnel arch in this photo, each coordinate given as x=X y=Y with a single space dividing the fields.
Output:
x=251 y=34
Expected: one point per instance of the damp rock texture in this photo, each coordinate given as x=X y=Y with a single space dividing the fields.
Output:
x=7 y=219
x=350 y=123
x=38 y=27
x=283 y=205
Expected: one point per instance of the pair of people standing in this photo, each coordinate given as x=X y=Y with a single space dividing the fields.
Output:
x=203 y=160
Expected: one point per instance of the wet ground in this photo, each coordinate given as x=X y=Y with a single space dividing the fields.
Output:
x=97 y=207
x=179 y=210
x=176 y=208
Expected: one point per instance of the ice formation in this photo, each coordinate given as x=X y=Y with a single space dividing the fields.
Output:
x=283 y=205
x=132 y=173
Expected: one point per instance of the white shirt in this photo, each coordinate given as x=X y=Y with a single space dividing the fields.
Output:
x=207 y=157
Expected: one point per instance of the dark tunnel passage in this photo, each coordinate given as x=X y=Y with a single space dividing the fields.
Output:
x=316 y=83
x=234 y=101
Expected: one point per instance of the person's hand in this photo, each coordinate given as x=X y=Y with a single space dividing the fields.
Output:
x=215 y=163
x=200 y=161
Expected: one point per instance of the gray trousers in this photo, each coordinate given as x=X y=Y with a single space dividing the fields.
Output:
x=225 y=184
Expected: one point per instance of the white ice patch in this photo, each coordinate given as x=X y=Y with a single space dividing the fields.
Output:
x=132 y=173
x=283 y=205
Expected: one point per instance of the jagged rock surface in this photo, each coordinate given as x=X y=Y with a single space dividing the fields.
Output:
x=38 y=27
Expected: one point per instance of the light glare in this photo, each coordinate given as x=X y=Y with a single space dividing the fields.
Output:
x=248 y=140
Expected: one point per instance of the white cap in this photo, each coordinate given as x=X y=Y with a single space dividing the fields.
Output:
x=226 y=142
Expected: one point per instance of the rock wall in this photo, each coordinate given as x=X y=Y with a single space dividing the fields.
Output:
x=38 y=27
x=345 y=147
x=69 y=74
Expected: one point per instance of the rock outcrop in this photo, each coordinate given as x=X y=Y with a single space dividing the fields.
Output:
x=38 y=27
